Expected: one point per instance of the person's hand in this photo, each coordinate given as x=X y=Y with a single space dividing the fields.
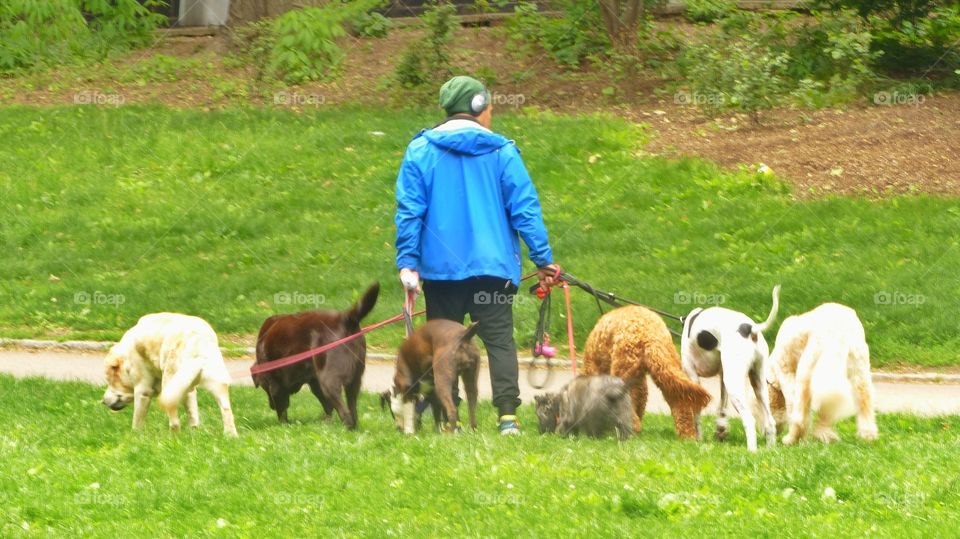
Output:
x=410 y=279
x=548 y=276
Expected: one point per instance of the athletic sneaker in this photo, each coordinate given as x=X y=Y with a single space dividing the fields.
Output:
x=509 y=426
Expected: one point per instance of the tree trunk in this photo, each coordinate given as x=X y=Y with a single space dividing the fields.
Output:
x=621 y=19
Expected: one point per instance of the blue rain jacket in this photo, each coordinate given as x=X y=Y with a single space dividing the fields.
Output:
x=464 y=200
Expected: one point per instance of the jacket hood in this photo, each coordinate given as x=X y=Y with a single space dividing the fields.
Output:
x=468 y=140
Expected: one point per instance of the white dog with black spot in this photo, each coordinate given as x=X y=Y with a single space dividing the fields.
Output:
x=720 y=341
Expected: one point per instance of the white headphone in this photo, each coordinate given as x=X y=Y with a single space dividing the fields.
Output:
x=479 y=102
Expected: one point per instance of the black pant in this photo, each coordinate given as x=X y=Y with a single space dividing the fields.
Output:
x=488 y=300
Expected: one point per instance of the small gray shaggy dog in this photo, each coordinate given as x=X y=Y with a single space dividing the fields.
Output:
x=592 y=405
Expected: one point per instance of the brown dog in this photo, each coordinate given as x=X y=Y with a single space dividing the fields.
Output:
x=429 y=363
x=329 y=374
x=631 y=342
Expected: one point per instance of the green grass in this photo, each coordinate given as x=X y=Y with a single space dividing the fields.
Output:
x=72 y=468
x=216 y=213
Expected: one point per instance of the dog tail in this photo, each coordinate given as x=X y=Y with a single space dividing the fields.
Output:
x=760 y=328
x=363 y=307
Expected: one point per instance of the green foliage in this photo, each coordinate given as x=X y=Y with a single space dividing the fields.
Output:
x=926 y=47
x=72 y=468
x=915 y=37
x=744 y=75
x=573 y=37
x=708 y=10
x=41 y=34
x=266 y=201
x=895 y=12
x=755 y=62
x=428 y=60
x=369 y=24
x=303 y=44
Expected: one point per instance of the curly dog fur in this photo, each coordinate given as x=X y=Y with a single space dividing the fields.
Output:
x=631 y=342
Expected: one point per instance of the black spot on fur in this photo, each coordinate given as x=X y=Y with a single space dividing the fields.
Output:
x=745 y=330
x=707 y=340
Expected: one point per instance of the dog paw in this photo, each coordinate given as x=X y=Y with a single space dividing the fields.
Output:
x=826 y=435
x=868 y=433
x=790 y=439
x=720 y=435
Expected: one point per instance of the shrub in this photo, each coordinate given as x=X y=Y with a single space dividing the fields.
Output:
x=928 y=46
x=42 y=34
x=300 y=45
x=570 y=39
x=744 y=75
x=428 y=60
x=708 y=10
x=369 y=24
x=914 y=36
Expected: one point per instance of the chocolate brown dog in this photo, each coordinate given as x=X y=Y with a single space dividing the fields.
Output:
x=329 y=374
x=591 y=405
x=428 y=364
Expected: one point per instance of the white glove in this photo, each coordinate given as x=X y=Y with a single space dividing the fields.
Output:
x=410 y=279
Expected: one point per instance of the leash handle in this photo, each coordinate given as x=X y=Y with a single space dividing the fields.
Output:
x=408 y=305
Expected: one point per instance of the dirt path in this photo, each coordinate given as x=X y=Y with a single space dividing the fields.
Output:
x=919 y=398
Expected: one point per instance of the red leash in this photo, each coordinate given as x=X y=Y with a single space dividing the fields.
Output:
x=570 y=341
x=296 y=358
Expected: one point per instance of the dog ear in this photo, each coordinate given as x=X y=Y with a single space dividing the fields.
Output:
x=363 y=307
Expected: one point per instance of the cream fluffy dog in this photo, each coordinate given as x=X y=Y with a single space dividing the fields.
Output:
x=167 y=354
x=820 y=362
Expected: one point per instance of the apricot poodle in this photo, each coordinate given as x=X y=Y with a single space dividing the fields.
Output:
x=631 y=342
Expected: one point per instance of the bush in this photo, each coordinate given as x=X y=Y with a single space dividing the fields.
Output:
x=915 y=37
x=300 y=45
x=369 y=24
x=575 y=36
x=925 y=47
x=744 y=75
x=708 y=10
x=43 y=34
x=428 y=60
x=758 y=61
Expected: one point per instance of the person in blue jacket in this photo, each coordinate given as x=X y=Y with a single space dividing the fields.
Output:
x=464 y=201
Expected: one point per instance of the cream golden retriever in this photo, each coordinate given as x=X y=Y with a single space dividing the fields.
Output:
x=821 y=362
x=168 y=355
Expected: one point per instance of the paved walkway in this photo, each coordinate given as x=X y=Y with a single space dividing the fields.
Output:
x=919 y=398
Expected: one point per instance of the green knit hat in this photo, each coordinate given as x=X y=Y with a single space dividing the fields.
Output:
x=464 y=94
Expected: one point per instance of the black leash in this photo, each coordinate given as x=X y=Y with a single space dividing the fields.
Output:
x=541 y=339
x=614 y=300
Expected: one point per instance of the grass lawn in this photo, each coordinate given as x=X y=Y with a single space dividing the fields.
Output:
x=111 y=213
x=73 y=468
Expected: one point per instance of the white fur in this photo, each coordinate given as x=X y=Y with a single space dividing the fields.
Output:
x=736 y=359
x=821 y=363
x=167 y=354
